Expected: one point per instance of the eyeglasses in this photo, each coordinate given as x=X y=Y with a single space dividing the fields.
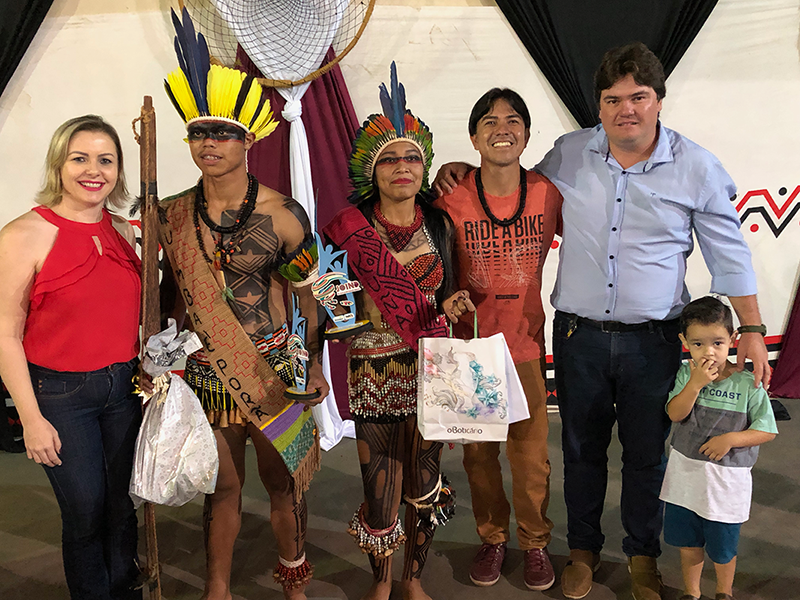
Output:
x=219 y=132
x=411 y=159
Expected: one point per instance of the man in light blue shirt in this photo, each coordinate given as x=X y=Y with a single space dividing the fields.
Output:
x=634 y=194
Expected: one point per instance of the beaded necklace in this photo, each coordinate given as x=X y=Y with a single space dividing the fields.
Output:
x=399 y=235
x=523 y=197
x=223 y=251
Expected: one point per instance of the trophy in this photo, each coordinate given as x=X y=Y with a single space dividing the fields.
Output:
x=296 y=347
x=334 y=291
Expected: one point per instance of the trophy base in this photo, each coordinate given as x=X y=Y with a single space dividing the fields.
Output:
x=293 y=393
x=340 y=333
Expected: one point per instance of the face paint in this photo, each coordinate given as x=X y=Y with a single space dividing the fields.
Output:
x=219 y=132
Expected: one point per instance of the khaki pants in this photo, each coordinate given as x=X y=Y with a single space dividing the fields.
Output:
x=526 y=449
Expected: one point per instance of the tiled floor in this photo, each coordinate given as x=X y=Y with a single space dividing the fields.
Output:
x=30 y=561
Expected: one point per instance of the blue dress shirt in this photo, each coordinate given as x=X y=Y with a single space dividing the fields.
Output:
x=628 y=232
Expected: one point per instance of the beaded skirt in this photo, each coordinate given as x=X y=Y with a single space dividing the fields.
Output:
x=383 y=378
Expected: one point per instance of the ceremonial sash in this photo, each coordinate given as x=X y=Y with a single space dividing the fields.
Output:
x=251 y=382
x=402 y=304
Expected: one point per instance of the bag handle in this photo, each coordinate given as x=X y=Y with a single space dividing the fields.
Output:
x=474 y=325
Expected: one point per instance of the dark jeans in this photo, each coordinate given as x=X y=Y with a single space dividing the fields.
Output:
x=601 y=378
x=97 y=418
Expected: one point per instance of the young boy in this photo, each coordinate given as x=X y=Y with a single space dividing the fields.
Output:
x=722 y=419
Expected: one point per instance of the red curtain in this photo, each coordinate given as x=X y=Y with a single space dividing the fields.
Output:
x=331 y=125
x=785 y=381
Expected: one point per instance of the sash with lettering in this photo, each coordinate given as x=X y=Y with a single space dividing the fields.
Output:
x=402 y=304
x=251 y=382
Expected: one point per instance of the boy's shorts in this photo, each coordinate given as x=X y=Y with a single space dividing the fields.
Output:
x=686 y=529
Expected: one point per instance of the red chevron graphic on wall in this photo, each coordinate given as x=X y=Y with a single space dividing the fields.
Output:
x=772 y=214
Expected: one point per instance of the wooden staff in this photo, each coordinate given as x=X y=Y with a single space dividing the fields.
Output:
x=151 y=309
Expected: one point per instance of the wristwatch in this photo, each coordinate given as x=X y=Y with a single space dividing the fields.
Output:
x=762 y=329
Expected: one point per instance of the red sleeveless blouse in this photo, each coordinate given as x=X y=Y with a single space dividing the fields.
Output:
x=84 y=303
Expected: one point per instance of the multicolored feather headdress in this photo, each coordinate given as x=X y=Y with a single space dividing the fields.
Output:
x=202 y=91
x=378 y=131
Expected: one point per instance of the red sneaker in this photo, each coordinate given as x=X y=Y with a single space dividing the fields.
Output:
x=539 y=574
x=486 y=565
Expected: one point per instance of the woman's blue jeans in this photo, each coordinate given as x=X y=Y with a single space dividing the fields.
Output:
x=97 y=418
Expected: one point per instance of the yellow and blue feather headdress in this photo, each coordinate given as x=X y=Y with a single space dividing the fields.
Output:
x=202 y=91
x=395 y=124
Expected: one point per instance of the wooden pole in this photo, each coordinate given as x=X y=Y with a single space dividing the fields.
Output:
x=151 y=309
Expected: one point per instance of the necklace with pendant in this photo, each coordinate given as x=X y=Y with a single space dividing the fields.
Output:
x=223 y=251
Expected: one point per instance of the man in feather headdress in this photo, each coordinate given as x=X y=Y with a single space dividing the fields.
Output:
x=232 y=243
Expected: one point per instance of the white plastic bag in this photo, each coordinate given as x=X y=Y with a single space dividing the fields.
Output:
x=176 y=452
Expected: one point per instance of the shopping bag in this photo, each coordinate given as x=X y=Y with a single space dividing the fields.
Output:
x=176 y=452
x=468 y=390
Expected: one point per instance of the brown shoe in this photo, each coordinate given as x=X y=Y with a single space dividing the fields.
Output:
x=645 y=578
x=539 y=574
x=486 y=565
x=576 y=580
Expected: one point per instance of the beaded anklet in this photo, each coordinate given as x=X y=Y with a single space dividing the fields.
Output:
x=378 y=542
x=293 y=573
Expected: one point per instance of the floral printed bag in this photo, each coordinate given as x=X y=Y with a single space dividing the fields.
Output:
x=468 y=390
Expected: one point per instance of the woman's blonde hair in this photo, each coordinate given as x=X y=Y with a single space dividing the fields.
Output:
x=51 y=192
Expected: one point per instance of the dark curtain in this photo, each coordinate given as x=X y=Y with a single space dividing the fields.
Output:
x=785 y=381
x=567 y=38
x=19 y=22
x=331 y=125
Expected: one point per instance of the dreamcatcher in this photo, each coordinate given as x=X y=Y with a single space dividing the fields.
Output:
x=288 y=40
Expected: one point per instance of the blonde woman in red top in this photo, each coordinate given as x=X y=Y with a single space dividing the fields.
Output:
x=69 y=323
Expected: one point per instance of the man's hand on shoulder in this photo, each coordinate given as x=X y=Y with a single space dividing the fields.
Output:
x=448 y=176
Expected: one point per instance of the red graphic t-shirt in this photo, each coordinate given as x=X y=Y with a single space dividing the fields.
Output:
x=502 y=266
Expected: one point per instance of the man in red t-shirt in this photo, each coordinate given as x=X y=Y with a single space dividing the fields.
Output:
x=505 y=219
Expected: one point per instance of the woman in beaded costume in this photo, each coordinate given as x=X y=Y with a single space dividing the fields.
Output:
x=389 y=165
